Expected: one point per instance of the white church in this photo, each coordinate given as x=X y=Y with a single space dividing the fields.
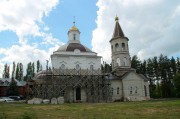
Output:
x=124 y=83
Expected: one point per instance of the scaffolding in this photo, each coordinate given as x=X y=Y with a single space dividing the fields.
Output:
x=59 y=82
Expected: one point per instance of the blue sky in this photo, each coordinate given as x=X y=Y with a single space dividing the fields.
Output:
x=61 y=19
x=33 y=29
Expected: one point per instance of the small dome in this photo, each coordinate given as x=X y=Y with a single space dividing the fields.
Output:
x=73 y=46
x=116 y=18
x=74 y=28
x=42 y=74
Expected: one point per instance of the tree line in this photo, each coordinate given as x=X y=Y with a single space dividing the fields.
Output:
x=163 y=74
x=18 y=71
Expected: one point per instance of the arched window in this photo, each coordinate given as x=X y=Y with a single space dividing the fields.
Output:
x=116 y=47
x=91 y=67
x=117 y=90
x=62 y=67
x=118 y=61
x=74 y=36
x=111 y=47
x=123 y=46
x=125 y=61
x=77 y=67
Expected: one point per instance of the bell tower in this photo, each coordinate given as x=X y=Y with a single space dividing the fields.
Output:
x=119 y=48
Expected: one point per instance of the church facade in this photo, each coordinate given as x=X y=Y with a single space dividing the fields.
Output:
x=77 y=74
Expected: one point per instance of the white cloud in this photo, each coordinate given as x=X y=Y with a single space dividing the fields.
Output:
x=24 y=54
x=24 y=17
x=21 y=16
x=151 y=26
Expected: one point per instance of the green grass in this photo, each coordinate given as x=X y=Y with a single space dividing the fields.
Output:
x=120 y=110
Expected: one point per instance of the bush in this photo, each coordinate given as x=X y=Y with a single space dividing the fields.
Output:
x=3 y=116
x=26 y=115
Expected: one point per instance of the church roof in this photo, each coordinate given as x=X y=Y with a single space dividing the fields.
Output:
x=7 y=81
x=72 y=46
x=117 y=30
x=73 y=28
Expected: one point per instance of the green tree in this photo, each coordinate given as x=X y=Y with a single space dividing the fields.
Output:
x=6 y=71
x=143 y=69
x=29 y=71
x=173 y=66
x=13 y=89
x=176 y=81
x=38 y=66
x=33 y=69
x=106 y=68
x=136 y=63
x=17 y=72
x=21 y=71
x=13 y=70
x=178 y=64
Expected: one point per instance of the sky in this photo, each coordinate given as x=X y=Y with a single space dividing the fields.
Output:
x=31 y=30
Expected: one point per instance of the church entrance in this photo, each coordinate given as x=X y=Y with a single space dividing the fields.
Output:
x=78 y=93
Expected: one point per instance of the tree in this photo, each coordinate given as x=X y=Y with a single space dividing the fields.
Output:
x=13 y=89
x=176 y=81
x=143 y=68
x=38 y=66
x=105 y=68
x=136 y=63
x=178 y=65
x=13 y=70
x=21 y=71
x=173 y=66
x=17 y=72
x=33 y=69
x=29 y=71
x=6 y=71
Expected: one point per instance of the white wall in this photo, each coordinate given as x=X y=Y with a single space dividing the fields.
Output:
x=70 y=62
x=133 y=81
x=116 y=84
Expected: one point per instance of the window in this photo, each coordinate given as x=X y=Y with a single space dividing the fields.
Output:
x=91 y=67
x=145 y=90
x=130 y=90
x=74 y=36
x=117 y=90
x=124 y=61
x=112 y=91
x=62 y=93
x=77 y=67
x=123 y=46
x=136 y=90
x=62 y=67
x=118 y=62
x=116 y=47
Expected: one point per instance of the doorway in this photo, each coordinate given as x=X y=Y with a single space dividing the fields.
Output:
x=78 y=93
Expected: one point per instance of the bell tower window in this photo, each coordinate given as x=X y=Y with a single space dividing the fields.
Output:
x=74 y=36
x=118 y=62
x=116 y=47
x=123 y=46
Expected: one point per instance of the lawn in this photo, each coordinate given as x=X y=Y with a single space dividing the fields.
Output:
x=168 y=109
